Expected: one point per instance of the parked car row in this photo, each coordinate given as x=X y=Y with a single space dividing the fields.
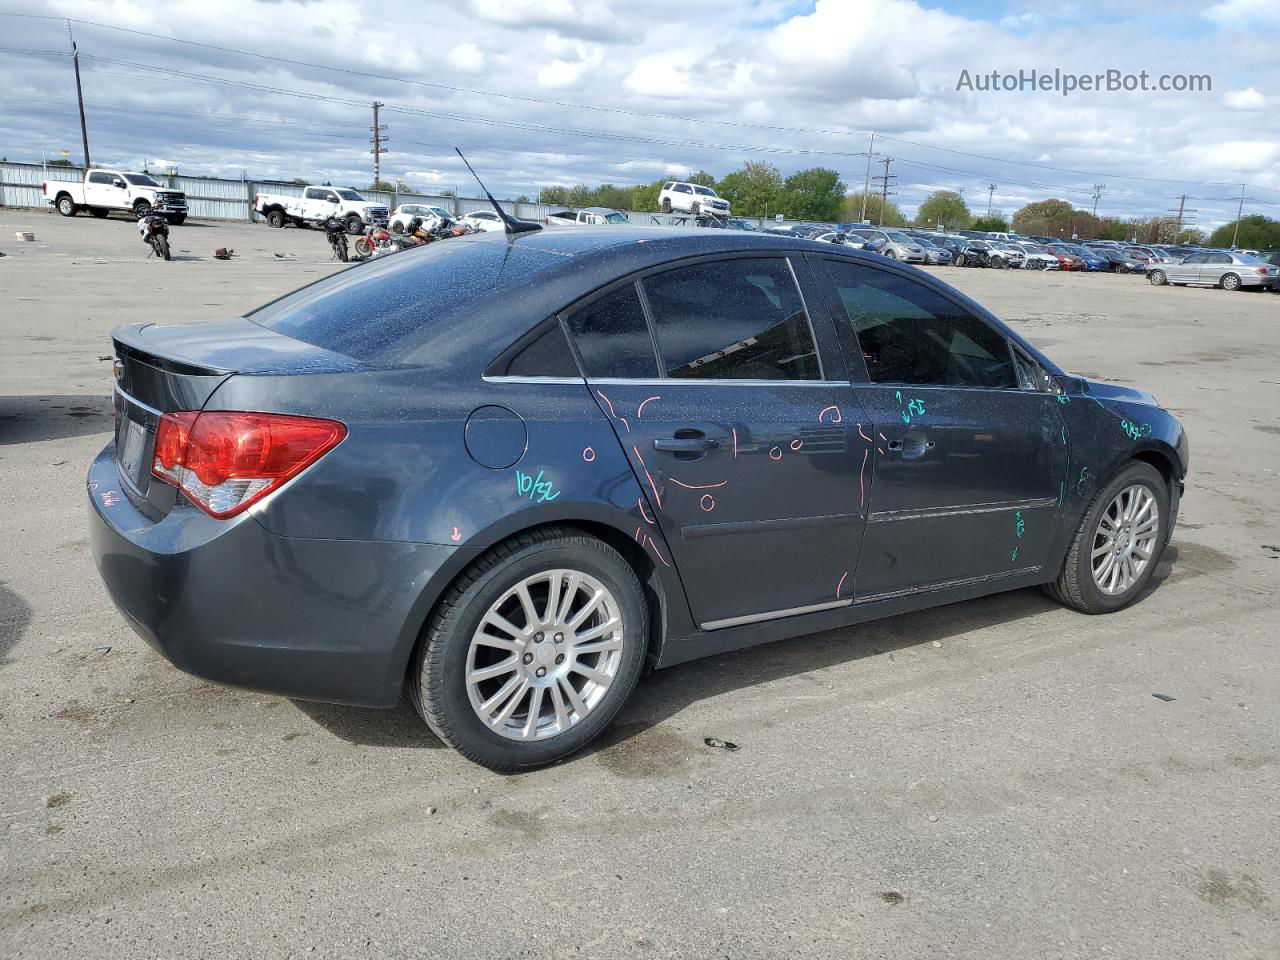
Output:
x=1229 y=269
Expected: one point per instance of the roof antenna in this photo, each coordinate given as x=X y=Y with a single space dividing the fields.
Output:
x=511 y=224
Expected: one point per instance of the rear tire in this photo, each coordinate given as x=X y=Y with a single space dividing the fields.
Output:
x=573 y=708
x=176 y=219
x=1157 y=278
x=396 y=227
x=275 y=218
x=162 y=245
x=1230 y=282
x=67 y=206
x=1077 y=585
x=99 y=212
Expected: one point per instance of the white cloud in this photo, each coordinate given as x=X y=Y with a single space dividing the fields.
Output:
x=1247 y=99
x=563 y=72
x=1243 y=14
x=466 y=57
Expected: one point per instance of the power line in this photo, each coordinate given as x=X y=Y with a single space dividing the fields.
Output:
x=524 y=98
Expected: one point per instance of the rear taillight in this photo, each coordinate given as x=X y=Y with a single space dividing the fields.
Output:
x=1262 y=271
x=226 y=462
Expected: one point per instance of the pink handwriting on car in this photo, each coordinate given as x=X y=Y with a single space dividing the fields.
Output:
x=535 y=488
x=109 y=498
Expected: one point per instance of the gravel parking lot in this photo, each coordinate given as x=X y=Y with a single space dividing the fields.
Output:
x=992 y=779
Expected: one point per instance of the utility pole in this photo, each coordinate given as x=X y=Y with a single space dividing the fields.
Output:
x=1097 y=193
x=84 y=130
x=991 y=193
x=1182 y=215
x=1235 y=234
x=885 y=180
x=866 y=183
x=377 y=140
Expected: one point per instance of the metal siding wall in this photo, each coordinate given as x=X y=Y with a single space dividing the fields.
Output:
x=216 y=199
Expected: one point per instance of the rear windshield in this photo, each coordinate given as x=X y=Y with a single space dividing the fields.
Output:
x=381 y=310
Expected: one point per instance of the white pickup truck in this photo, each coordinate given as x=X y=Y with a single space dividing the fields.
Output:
x=107 y=190
x=318 y=204
x=593 y=216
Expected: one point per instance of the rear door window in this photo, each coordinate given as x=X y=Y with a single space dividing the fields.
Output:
x=613 y=337
x=738 y=319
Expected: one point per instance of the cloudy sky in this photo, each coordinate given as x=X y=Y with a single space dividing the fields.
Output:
x=541 y=92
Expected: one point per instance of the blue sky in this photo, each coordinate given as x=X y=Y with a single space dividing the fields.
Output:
x=543 y=92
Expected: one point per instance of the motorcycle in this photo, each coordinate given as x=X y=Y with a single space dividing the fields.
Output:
x=335 y=228
x=154 y=230
x=375 y=242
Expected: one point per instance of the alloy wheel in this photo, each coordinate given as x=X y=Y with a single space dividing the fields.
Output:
x=1125 y=540
x=544 y=655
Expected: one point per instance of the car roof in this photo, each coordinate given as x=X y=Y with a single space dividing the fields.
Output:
x=526 y=278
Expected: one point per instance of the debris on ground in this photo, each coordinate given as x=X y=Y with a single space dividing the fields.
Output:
x=1164 y=696
x=720 y=744
x=891 y=897
x=222 y=253
x=59 y=799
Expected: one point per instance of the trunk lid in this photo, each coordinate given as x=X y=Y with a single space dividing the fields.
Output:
x=166 y=368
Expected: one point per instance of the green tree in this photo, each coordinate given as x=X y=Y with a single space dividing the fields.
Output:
x=607 y=195
x=852 y=210
x=60 y=162
x=579 y=195
x=1256 y=233
x=521 y=199
x=1192 y=236
x=753 y=190
x=995 y=223
x=383 y=186
x=813 y=194
x=944 y=207
x=702 y=178
x=645 y=196
x=1111 y=229
x=556 y=196
x=1057 y=218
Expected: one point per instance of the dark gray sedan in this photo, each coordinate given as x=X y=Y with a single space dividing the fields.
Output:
x=504 y=473
x=1215 y=268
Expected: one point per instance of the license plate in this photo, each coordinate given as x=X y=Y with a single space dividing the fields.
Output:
x=132 y=445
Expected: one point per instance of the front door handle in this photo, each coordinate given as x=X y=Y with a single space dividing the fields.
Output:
x=912 y=445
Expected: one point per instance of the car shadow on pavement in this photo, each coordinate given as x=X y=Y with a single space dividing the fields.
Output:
x=665 y=693
x=35 y=418
x=399 y=727
x=15 y=617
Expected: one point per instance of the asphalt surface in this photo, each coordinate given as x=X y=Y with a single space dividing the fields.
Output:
x=991 y=779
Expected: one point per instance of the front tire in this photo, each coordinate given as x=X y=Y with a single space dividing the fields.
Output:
x=67 y=206
x=665 y=206
x=1157 y=278
x=354 y=225
x=532 y=652
x=1118 y=543
x=396 y=227
x=141 y=209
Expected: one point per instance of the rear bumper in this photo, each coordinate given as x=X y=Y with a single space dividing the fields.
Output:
x=332 y=620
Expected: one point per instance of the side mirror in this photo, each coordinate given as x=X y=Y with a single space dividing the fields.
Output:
x=331 y=198
x=117 y=182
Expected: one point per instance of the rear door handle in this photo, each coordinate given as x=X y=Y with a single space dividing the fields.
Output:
x=685 y=444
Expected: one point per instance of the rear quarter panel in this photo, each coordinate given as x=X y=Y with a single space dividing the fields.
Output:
x=405 y=471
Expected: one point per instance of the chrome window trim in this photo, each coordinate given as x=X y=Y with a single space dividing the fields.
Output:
x=671 y=381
